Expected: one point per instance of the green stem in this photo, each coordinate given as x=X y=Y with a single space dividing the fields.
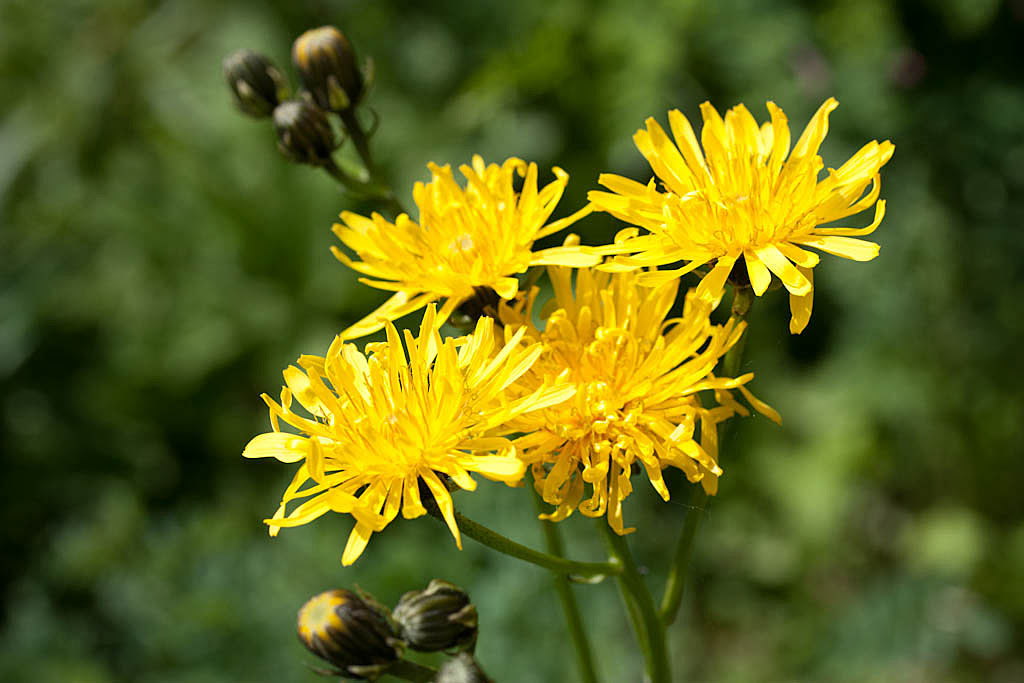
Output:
x=742 y=299
x=362 y=145
x=359 y=139
x=411 y=671
x=370 y=190
x=673 y=597
x=648 y=626
x=559 y=565
x=571 y=609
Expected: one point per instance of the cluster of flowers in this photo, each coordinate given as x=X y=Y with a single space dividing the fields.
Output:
x=607 y=386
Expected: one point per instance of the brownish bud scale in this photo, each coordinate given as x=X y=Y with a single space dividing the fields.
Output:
x=352 y=633
x=304 y=134
x=462 y=668
x=256 y=84
x=326 y=64
x=441 y=617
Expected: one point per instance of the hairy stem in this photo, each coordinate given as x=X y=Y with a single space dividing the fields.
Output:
x=571 y=609
x=559 y=565
x=648 y=626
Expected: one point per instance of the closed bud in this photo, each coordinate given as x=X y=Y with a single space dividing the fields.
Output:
x=484 y=302
x=438 y=618
x=304 y=134
x=326 y=64
x=352 y=633
x=462 y=668
x=255 y=82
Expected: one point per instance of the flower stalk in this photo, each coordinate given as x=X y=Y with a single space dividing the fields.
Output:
x=673 y=596
x=560 y=565
x=570 y=607
x=647 y=624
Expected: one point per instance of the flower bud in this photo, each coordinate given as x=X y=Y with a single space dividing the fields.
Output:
x=304 y=134
x=438 y=618
x=462 y=668
x=255 y=82
x=352 y=633
x=326 y=64
x=484 y=301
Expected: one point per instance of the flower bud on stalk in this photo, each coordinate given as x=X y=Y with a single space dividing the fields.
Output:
x=438 y=618
x=304 y=134
x=255 y=82
x=352 y=633
x=326 y=64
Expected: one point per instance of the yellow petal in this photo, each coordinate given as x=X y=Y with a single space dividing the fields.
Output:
x=856 y=232
x=444 y=504
x=760 y=276
x=711 y=287
x=790 y=275
x=505 y=468
x=847 y=247
x=283 y=446
x=800 y=306
x=815 y=132
x=357 y=541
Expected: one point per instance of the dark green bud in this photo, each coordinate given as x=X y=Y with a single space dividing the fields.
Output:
x=352 y=633
x=438 y=618
x=462 y=668
x=304 y=134
x=326 y=64
x=255 y=82
x=484 y=302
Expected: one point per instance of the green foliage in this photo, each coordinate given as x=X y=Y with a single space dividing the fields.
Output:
x=160 y=263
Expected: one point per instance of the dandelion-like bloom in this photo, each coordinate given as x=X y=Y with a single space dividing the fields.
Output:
x=742 y=197
x=382 y=423
x=467 y=240
x=637 y=377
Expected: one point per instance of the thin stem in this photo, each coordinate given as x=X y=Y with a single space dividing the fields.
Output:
x=571 y=609
x=742 y=299
x=348 y=181
x=411 y=671
x=648 y=626
x=370 y=190
x=359 y=139
x=362 y=144
x=559 y=565
x=673 y=597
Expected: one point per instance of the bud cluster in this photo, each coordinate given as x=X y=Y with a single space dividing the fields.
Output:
x=362 y=639
x=332 y=83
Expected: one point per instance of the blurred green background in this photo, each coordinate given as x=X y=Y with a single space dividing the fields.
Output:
x=160 y=263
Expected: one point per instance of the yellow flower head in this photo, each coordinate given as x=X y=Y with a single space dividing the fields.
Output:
x=637 y=376
x=477 y=237
x=742 y=197
x=379 y=424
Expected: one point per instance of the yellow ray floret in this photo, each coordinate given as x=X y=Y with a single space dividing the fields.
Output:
x=479 y=236
x=637 y=376
x=746 y=195
x=380 y=424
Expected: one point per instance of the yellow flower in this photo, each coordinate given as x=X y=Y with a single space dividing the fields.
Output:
x=384 y=422
x=742 y=197
x=637 y=376
x=466 y=240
